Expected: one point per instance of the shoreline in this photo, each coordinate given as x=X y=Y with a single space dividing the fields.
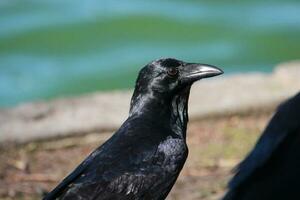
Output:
x=105 y=111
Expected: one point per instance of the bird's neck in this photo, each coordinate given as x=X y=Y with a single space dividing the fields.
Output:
x=171 y=112
x=179 y=112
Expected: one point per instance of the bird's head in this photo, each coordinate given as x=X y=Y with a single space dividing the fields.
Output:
x=165 y=78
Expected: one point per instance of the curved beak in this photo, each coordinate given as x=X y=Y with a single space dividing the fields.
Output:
x=192 y=72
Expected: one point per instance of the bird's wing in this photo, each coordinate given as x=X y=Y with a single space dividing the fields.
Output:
x=128 y=185
x=123 y=152
x=112 y=177
x=284 y=122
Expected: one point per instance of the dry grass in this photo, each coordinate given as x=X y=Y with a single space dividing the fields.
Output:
x=216 y=145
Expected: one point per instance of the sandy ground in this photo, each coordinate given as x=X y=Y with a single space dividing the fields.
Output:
x=216 y=145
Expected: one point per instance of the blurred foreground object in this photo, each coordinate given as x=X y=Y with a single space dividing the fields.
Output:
x=272 y=170
x=240 y=93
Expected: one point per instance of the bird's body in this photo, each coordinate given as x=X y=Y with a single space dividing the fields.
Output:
x=143 y=159
x=272 y=169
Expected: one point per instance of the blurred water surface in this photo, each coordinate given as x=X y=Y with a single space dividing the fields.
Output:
x=51 y=48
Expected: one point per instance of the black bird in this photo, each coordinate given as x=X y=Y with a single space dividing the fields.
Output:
x=142 y=160
x=271 y=171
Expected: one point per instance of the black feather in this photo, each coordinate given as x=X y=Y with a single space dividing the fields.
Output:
x=270 y=170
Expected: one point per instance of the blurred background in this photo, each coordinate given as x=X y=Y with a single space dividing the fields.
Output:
x=66 y=48
x=51 y=48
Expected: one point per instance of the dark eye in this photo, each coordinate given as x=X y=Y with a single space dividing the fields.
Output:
x=172 y=72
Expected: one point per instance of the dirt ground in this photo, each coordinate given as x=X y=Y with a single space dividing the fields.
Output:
x=216 y=145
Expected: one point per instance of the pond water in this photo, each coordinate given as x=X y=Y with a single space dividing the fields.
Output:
x=51 y=48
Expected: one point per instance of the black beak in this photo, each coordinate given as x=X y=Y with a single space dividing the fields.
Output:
x=192 y=72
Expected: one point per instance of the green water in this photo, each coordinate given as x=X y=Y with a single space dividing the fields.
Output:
x=51 y=48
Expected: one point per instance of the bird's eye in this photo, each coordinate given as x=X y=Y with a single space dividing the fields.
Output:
x=172 y=72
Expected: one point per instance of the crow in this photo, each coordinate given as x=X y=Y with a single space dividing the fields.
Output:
x=142 y=159
x=271 y=171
